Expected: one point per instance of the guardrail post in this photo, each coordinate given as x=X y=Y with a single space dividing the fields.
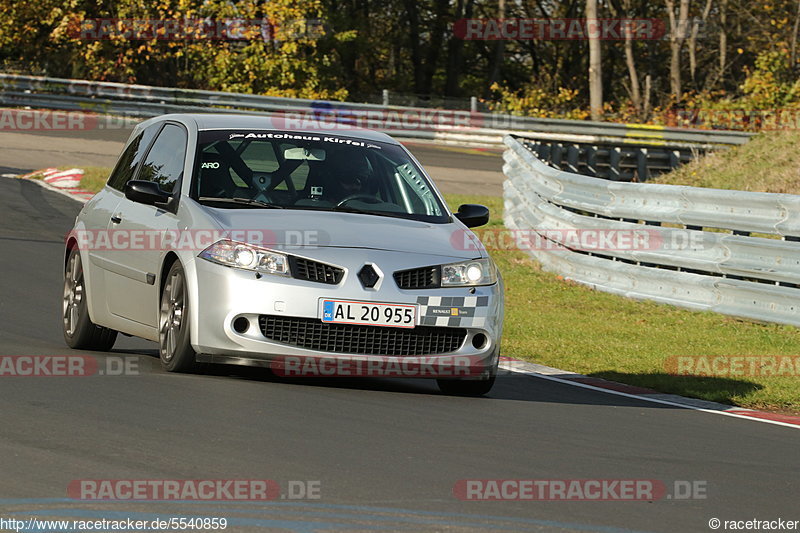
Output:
x=573 y=151
x=543 y=149
x=386 y=97
x=641 y=165
x=614 y=156
x=674 y=159
x=591 y=160
x=473 y=104
x=556 y=154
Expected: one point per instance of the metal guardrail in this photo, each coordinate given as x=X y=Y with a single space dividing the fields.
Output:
x=615 y=161
x=705 y=256
x=451 y=126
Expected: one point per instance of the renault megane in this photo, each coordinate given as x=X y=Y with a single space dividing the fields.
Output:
x=229 y=239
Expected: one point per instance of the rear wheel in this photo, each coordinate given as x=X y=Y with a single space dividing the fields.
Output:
x=175 y=350
x=79 y=330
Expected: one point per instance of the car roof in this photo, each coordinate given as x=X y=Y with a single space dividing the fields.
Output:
x=230 y=121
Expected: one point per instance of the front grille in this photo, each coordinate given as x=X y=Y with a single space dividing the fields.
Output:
x=315 y=271
x=418 y=278
x=314 y=334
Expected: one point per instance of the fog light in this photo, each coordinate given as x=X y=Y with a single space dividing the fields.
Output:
x=241 y=324
x=479 y=341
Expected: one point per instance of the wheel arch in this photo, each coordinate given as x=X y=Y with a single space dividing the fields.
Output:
x=72 y=243
x=188 y=262
x=169 y=259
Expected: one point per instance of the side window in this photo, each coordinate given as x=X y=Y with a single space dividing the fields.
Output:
x=130 y=158
x=164 y=162
x=414 y=191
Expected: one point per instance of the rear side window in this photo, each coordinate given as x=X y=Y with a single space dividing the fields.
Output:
x=130 y=159
x=164 y=162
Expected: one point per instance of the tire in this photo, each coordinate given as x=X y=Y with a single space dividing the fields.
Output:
x=175 y=349
x=465 y=387
x=470 y=387
x=80 y=332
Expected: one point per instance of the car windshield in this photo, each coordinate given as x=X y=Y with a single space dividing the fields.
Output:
x=261 y=169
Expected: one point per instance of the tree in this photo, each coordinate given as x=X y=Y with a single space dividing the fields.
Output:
x=595 y=62
x=677 y=35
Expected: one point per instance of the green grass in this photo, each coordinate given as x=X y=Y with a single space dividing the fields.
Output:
x=770 y=162
x=566 y=325
x=94 y=178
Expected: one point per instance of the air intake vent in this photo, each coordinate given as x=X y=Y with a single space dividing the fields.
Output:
x=314 y=271
x=313 y=334
x=418 y=278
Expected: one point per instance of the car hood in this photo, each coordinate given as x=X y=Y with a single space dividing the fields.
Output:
x=292 y=228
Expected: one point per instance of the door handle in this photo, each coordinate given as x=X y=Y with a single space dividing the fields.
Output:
x=116 y=219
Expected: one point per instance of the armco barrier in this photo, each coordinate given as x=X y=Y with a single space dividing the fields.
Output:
x=449 y=126
x=723 y=268
x=614 y=160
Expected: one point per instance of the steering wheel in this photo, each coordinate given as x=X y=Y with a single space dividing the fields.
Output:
x=360 y=196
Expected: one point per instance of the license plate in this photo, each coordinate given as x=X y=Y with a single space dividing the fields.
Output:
x=371 y=313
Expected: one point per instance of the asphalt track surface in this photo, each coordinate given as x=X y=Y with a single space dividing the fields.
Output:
x=386 y=453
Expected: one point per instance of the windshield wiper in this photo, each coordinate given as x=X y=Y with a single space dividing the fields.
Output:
x=243 y=201
x=348 y=209
x=252 y=201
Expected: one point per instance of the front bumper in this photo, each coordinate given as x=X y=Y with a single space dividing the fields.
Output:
x=226 y=294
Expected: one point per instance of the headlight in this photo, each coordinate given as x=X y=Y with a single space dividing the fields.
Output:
x=475 y=272
x=246 y=256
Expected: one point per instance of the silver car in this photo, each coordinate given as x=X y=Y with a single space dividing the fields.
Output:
x=239 y=240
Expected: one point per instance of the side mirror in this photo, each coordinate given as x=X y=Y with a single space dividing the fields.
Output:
x=473 y=215
x=147 y=192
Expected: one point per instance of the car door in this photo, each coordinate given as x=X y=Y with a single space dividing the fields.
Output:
x=132 y=289
x=96 y=219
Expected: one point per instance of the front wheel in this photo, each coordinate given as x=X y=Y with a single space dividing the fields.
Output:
x=79 y=330
x=175 y=350
x=471 y=387
x=465 y=387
